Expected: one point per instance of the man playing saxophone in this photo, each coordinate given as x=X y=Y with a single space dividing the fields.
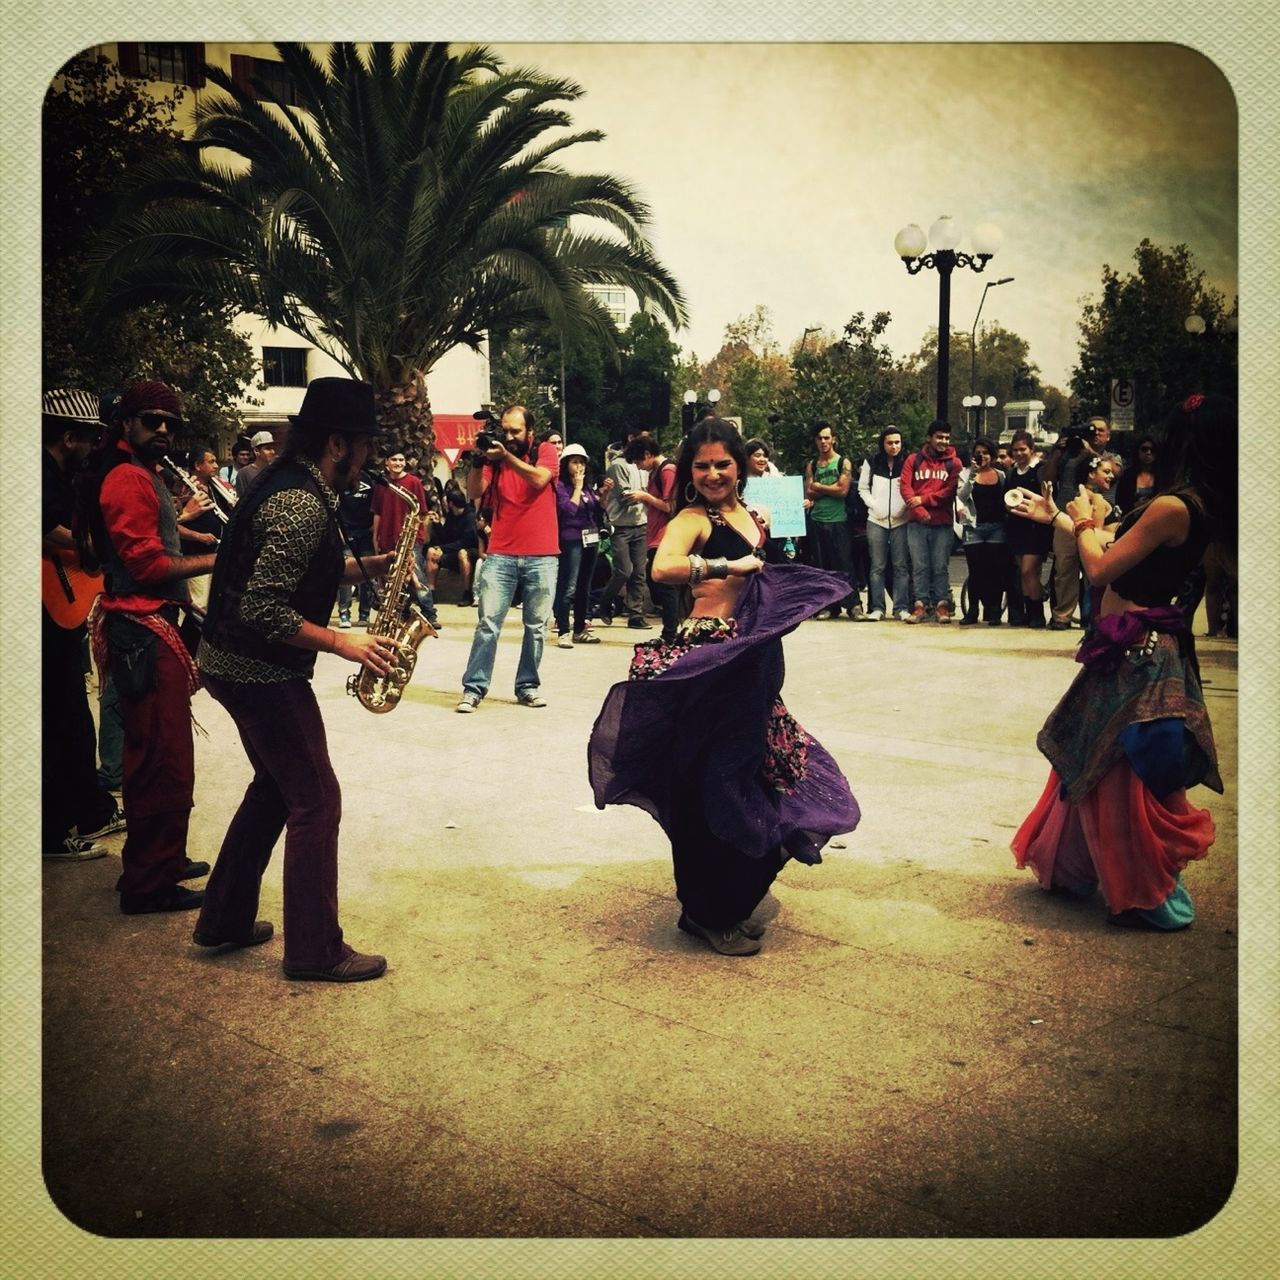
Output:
x=275 y=583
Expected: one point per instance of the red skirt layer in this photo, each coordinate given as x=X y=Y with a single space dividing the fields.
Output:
x=1119 y=834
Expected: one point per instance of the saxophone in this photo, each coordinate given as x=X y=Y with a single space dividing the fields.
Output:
x=382 y=693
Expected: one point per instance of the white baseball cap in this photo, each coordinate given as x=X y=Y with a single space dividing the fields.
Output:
x=262 y=437
x=573 y=451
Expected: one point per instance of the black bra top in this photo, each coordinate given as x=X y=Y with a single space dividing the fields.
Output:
x=1157 y=578
x=726 y=541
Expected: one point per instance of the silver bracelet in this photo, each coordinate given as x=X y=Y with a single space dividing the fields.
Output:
x=697 y=570
x=718 y=568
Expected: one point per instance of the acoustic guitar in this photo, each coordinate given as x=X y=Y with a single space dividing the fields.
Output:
x=67 y=590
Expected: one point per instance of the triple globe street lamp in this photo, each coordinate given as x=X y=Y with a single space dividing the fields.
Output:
x=691 y=407
x=944 y=235
x=975 y=403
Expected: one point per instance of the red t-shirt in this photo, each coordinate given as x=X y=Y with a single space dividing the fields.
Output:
x=524 y=519
x=391 y=510
x=662 y=484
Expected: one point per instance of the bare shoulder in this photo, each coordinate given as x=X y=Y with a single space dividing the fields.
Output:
x=1170 y=512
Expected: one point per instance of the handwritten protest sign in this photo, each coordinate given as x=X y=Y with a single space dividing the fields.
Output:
x=784 y=497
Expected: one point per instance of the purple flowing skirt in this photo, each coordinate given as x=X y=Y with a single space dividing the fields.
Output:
x=706 y=712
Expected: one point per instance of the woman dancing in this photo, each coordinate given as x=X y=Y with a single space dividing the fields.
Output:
x=1131 y=734
x=697 y=737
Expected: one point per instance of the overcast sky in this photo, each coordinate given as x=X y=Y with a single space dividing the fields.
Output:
x=780 y=174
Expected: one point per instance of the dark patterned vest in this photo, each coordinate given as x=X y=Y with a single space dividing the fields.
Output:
x=313 y=597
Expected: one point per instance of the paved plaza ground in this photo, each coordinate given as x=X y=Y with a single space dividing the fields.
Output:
x=928 y=1046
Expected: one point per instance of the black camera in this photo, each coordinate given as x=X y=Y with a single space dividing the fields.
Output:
x=1074 y=437
x=487 y=437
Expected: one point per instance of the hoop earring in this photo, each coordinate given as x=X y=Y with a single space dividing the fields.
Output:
x=690 y=493
x=742 y=488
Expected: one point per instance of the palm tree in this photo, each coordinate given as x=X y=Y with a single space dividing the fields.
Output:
x=411 y=204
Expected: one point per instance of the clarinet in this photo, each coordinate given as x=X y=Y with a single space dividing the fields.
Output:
x=193 y=484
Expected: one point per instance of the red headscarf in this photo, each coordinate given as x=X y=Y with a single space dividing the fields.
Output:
x=141 y=396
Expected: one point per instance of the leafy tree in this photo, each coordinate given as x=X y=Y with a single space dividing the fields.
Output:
x=750 y=372
x=1002 y=356
x=607 y=385
x=414 y=204
x=639 y=392
x=98 y=128
x=1136 y=329
x=521 y=372
x=849 y=382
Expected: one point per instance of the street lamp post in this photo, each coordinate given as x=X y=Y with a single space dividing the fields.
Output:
x=973 y=333
x=910 y=243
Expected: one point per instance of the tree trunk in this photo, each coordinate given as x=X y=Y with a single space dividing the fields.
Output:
x=405 y=412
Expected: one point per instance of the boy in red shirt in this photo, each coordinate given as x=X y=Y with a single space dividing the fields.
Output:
x=929 y=481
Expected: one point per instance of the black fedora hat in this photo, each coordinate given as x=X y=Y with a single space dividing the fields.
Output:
x=338 y=404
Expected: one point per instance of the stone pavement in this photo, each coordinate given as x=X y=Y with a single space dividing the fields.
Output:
x=927 y=1046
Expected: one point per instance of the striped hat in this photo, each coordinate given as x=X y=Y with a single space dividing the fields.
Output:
x=75 y=407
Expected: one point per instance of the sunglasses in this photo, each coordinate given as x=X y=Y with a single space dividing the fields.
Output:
x=153 y=421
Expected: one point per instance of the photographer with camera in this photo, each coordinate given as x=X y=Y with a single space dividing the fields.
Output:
x=524 y=543
x=1062 y=467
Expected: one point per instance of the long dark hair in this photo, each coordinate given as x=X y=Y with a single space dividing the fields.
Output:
x=1197 y=456
x=708 y=431
x=1127 y=486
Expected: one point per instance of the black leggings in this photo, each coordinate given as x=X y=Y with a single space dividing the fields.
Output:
x=988 y=577
x=717 y=884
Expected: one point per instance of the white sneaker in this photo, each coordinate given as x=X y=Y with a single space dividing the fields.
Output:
x=75 y=849
x=874 y=616
x=903 y=615
x=468 y=704
x=565 y=641
x=531 y=698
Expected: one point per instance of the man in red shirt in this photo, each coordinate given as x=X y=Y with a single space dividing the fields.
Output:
x=134 y=530
x=514 y=484
x=389 y=512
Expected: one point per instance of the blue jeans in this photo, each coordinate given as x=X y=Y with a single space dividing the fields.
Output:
x=930 y=555
x=888 y=545
x=497 y=581
x=361 y=545
x=566 y=583
x=110 y=736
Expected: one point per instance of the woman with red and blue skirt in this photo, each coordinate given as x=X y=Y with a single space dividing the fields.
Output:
x=1132 y=734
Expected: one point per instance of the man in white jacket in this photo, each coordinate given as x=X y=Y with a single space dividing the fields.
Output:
x=878 y=486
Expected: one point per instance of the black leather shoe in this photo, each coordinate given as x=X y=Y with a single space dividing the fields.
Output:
x=728 y=942
x=261 y=932
x=193 y=870
x=354 y=968
x=175 y=899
